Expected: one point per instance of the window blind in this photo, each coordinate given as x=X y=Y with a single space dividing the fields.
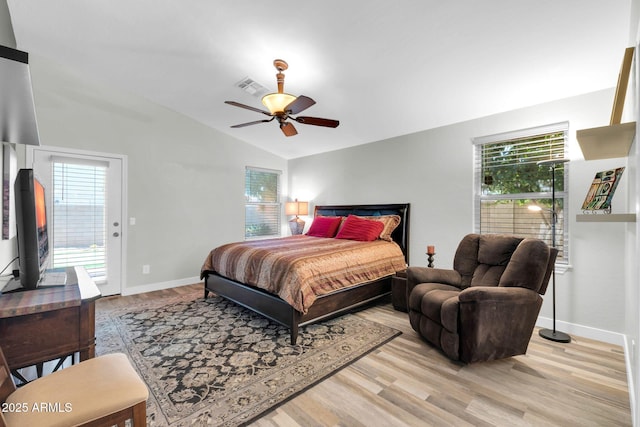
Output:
x=262 y=208
x=509 y=181
x=79 y=207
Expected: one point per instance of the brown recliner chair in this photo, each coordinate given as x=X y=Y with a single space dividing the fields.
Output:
x=487 y=306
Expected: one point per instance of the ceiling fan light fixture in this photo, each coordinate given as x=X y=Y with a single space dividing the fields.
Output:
x=281 y=106
x=276 y=102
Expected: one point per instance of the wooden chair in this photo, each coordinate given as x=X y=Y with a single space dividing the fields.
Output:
x=103 y=391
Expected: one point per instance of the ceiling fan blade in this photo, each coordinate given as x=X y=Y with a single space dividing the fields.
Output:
x=288 y=129
x=317 y=121
x=301 y=103
x=248 y=107
x=241 y=125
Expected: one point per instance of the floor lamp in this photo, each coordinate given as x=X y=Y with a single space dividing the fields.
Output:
x=553 y=334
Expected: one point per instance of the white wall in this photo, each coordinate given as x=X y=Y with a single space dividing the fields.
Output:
x=433 y=170
x=185 y=181
x=632 y=332
x=6 y=39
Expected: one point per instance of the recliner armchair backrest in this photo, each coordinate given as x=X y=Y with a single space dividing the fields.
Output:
x=482 y=259
x=529 y=266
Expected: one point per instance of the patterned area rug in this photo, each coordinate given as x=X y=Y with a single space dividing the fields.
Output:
x=212 y=362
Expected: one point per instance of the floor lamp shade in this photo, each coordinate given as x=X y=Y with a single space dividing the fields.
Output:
x=296 y=208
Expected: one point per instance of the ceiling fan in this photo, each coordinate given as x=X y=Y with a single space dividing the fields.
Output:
x=282 y=105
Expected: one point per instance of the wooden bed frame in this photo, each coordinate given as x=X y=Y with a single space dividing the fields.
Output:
x=325 y=306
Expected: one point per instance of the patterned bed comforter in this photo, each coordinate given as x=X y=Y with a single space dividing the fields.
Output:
x=300 y=268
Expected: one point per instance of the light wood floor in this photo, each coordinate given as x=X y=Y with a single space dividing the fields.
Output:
x=408 y=383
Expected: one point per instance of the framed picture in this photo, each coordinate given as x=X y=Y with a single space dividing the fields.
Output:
x=602 y=190
x=9 y=170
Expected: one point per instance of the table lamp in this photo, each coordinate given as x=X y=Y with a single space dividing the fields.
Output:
x=296 y=208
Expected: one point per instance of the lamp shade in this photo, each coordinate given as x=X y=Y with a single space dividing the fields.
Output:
x=276 y=102
x=296 y=208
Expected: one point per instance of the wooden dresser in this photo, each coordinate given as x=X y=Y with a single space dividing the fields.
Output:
x=49 y=323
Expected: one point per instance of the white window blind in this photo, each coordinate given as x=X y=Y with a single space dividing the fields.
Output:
x=509 y=180
x=79 y=206
x=262 y=208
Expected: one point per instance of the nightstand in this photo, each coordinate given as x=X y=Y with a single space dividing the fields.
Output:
x=399 y=291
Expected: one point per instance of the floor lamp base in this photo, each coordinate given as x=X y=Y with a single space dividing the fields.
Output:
x=556 y=336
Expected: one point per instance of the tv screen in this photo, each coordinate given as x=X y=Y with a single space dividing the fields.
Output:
x=31 y=221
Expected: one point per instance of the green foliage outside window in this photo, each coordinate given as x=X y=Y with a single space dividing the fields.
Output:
x=510 y=167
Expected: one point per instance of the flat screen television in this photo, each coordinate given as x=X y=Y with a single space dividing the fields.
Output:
x=31 y=221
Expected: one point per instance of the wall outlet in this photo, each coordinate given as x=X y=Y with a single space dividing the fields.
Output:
x=146 y=269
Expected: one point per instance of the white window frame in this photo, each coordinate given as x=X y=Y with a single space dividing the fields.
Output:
x=478 y=144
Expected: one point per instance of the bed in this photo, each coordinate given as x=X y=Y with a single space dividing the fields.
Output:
x=242 y=288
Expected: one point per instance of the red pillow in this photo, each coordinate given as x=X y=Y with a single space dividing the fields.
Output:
x=363 y=230
x=324 y=226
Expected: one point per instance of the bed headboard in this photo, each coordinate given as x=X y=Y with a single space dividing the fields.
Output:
x=400 y=235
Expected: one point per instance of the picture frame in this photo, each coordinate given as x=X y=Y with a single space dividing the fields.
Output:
x=601 y=191
x=9 y=171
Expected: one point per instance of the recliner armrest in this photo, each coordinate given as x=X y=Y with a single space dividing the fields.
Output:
x=497 y=294
x=417 y=275
x=496 y=322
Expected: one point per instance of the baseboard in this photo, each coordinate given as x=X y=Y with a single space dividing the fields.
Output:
x=583 y=331
x=160 y=286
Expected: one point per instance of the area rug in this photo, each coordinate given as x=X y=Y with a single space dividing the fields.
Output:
x=212 y=362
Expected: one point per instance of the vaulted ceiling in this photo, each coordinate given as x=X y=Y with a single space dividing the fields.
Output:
x=382 y=68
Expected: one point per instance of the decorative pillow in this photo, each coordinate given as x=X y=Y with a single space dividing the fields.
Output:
x=324 y=226
x=361 y=229
x=390 y=222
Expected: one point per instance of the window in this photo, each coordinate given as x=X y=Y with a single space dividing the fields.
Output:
x=79 y=202
x=262 y=208
x=509 y=181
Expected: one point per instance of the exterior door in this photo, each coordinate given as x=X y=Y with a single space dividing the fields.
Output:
x=84 y=196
